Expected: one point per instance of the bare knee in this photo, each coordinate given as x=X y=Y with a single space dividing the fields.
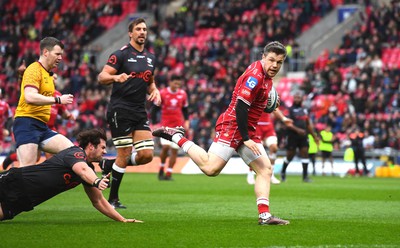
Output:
x=144 y=156
x=210 y=171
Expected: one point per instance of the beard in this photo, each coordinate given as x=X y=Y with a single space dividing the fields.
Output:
x=139 y=42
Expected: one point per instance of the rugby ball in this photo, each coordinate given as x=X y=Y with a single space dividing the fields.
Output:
x=273 y=101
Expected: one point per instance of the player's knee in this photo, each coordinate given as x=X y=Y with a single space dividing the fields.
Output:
x=144 y=156
x=210 y=171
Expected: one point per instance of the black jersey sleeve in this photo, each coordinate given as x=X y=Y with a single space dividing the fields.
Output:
x=74 y=155
x=115 y=60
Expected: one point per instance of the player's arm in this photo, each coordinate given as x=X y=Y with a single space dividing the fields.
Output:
x=109 y=75
x=154 y=114
x=242 y=110
x=287 y=121
x=89 y=176
x=103 y=206
x=310 y=129
x=185 y=112
x=154 y=93
x=32 y=96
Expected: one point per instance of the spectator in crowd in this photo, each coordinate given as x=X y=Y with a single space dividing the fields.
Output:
x=5 y=115
x=130 y=71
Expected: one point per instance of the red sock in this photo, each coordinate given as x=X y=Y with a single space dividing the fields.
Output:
x=263 y=205
x=13 y=156
x=182 y=141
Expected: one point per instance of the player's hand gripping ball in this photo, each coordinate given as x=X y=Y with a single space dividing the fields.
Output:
x=273 y=101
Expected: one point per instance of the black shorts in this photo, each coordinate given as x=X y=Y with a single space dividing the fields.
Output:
x=326 y=154
x=123 y=122
x=13 y=196
x=296 y=141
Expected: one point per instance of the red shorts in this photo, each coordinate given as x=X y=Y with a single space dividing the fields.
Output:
x=231 y=136
x=265 y=131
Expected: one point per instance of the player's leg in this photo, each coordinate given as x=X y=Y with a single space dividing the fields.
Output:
x=291 y=146
x=356 y=158
x=171 y=162
x=144 y=147
x=163 y=157
x=290 y=152
x=364 y=163
x=312 y=156
x=209 y=162
x=262 y=167
x=27 y=154
x=272 y=144
x=331 y=161
x=303 y=154
x=55 y=143
x=27 y=132
x=323 y=156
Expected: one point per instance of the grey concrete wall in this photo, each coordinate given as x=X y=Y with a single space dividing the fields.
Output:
x=327 y=34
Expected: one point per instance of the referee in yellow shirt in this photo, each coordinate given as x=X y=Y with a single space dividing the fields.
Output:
x=33 y=111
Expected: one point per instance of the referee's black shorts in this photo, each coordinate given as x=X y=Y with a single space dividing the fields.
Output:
x=13 y=197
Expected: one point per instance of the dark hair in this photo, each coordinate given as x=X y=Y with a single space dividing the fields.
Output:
x=275 y=47
x=176 y=77
x=92 y=136
x=134 y=23
x=49 y=43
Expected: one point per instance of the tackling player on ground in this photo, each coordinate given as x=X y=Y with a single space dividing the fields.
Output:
x=21 y=189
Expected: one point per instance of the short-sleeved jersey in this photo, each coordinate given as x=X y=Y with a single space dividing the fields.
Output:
x=252 y=87
x=131 y=95
x=171 y=107
x=299 y=115
x=53 y=176
x=37 y=77
x=55 y=110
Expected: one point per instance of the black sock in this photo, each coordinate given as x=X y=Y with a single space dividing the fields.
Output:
x=116 y=180
x=305 y=168
x=285 y=165
x=7 y=161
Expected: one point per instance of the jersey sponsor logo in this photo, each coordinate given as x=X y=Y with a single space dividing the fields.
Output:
x=132 y=60
x=246 y=92
x=112 y=60
x=251 y=82
x=143 y=75
x=80 y=155
x=149 y=62
x=140 y=56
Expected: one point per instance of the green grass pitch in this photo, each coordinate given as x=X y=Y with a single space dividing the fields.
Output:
x=198 y=211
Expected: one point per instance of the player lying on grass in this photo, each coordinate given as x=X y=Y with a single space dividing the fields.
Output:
x=21 y=189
